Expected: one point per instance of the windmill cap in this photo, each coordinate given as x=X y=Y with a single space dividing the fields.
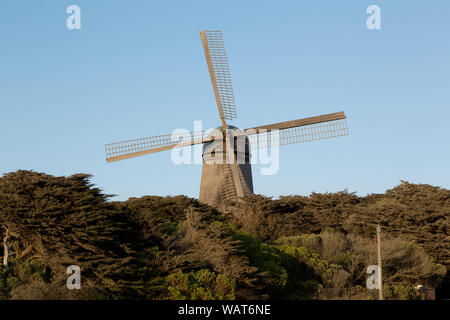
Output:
x=212 y=146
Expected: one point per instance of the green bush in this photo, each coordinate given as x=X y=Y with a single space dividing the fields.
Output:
x=401 y=292
x=200 y=285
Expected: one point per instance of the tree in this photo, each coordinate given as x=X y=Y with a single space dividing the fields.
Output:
x=61 y=221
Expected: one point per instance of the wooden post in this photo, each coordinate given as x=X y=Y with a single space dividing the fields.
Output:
x=380 y=277
x=6 y=246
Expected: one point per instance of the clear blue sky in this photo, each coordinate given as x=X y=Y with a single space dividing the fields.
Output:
x=137 y=69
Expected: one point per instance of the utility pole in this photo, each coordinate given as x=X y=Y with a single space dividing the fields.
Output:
x=6 y=247
x=380 y=278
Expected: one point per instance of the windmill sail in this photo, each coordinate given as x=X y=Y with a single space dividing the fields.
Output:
x=139 y=147
x=227 y=185
x=219 y=71
x=298 y=131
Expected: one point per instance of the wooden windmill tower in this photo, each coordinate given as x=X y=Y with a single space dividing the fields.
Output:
x=226 y=173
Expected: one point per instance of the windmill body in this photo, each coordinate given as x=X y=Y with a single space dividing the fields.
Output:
x=226 y=173
x=218 y=182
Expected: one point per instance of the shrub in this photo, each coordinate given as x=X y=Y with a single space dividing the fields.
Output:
x=200 y=285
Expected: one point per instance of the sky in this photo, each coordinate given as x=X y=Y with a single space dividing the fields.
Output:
x=137 y=69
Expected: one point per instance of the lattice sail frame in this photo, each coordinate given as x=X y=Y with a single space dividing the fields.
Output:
x=216 y=58
x=283 y=133
x=138 y=147
x=276 y=135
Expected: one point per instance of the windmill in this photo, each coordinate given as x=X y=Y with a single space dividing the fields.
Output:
x=226 y=172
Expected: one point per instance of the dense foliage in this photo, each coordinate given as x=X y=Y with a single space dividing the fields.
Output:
x=177 y=248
